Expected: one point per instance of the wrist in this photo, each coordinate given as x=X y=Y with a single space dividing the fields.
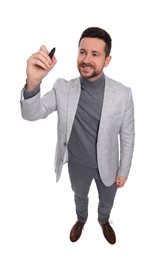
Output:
x=31 y=86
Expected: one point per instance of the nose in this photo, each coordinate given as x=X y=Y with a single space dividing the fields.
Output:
x=86 y=58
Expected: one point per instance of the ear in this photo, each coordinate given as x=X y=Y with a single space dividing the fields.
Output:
x=107 y=60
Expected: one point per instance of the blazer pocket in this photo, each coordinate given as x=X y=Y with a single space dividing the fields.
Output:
x=114 y=116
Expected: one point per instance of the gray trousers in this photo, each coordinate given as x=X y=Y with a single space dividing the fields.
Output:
x=81 y=178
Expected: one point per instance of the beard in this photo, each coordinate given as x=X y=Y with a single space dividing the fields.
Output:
x=88 y=71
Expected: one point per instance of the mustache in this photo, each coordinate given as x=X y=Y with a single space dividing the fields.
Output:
x=86 y=64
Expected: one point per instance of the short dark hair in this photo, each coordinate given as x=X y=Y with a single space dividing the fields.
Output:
x=96 y=32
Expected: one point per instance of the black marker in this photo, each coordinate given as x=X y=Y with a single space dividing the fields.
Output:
x=51 y=53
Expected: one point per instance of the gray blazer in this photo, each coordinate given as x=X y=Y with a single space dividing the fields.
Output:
x=115 y=142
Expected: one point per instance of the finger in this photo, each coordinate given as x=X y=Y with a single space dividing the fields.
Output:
x=40 y=58
x=43 y=48
x=41 y=64
x=45 y=53
x=54 y=60
x=32 y=61
x=44 y=57
x=44 y=64
x=118 y=183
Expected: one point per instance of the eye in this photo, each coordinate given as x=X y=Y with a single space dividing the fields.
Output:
x=82 y=52
x=95 y=54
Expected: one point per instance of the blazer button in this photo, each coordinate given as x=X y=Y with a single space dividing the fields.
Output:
x=64 y=144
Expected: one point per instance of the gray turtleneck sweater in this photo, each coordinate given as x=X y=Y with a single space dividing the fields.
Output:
x=82 y=145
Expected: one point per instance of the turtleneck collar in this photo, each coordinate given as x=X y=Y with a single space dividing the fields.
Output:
x=95 y=83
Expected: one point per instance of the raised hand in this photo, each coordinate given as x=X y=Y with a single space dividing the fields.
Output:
x=38 y=66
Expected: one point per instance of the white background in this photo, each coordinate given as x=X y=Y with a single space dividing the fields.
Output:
x=36 y=214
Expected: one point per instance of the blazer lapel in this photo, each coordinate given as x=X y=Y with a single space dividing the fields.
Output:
x=73 y=99
x=107 y=104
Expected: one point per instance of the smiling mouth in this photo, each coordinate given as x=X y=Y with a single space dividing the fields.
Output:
x=86 y=68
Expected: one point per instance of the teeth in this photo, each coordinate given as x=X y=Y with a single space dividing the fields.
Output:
x=88 y=68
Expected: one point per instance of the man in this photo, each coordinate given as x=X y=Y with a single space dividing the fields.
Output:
x=95 y=122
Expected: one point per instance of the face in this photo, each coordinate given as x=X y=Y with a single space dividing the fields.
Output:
x=91 y=58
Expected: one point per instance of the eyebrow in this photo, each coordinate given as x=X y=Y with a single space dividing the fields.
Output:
x=93 y=51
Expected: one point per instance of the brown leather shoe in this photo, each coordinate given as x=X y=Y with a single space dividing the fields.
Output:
x=108 y=232
x=76 y=231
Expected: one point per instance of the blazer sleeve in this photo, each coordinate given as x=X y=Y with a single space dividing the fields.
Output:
x=36 y=108
x=127 y=136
